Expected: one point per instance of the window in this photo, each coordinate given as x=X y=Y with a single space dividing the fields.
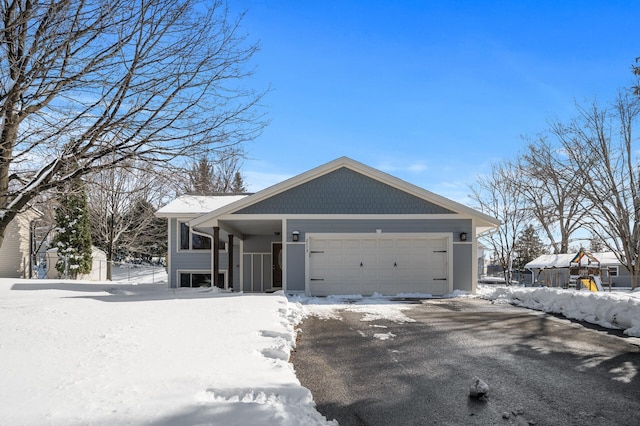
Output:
x=195 y=280
x=613 y=271
x=200 y=279
x=200 y=242
x=191 y=241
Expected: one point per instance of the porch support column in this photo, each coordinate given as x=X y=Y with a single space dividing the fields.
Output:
x=231 y=266
x=216 y=255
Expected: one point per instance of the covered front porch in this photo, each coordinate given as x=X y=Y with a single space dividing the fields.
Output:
x=254 y=254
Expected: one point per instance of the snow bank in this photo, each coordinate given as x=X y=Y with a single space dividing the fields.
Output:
x=372 y=308
x=76 y=353
x=617 y=310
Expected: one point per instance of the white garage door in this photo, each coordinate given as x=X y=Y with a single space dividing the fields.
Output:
x=378 y=265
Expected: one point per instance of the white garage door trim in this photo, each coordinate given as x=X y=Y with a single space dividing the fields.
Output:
x=389 y=253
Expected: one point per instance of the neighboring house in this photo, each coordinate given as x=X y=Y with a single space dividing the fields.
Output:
x=553 y=269
x=16 y=247
x=341 y=228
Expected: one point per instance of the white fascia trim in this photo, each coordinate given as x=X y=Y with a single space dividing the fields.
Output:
x=185 y=216
x=258 y=217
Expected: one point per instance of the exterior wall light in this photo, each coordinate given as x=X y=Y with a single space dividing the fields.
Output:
x=463 y=236
x=295 y=235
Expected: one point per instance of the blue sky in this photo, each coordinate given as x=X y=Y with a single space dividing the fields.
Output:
x=432 y=92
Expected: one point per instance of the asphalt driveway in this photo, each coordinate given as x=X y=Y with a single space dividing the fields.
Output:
x=542 y=370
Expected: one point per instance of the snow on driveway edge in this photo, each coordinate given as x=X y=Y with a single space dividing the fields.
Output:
x=617 y=310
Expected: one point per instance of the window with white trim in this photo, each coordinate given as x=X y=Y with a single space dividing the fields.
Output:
x=613 y=271
x=188 y=240
x=199 y=279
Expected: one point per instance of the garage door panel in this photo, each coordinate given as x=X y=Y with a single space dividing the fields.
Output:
x=379 y=265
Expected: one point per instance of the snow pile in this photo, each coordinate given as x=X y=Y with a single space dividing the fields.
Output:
x=76 y=353
x=372 y=308
x=617 y=310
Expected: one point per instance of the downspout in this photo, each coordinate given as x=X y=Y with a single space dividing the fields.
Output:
x=214 y=253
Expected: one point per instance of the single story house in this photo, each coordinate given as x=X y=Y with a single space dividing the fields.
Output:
x=554 y=269
x=340 y=228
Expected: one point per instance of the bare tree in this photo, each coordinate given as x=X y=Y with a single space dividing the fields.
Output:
x=228 y=177
x=553 y=191
x=99 y=82
x=122 y=201
x=636 y=71
x=602 y=147
x=218 y=175
x=500 y=195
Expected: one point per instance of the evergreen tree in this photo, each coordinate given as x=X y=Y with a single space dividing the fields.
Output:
x=596 y=244
x=73 y=236
x=528 y=246
x=238 y=185
x=212 y=176
x=202 y=177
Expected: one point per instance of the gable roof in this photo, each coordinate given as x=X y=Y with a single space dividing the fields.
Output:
x=195 y=205
x=564 y=260
x=483 y=220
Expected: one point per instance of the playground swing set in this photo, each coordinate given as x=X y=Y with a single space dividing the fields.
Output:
x=588 y=276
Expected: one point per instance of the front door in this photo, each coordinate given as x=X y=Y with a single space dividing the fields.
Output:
x=276 y=260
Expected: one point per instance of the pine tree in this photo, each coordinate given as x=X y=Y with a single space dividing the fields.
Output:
x=528 y=246
x=73 y=236
x=238 y=186
x=202 y=177
x=211 y=176
x=596 y=244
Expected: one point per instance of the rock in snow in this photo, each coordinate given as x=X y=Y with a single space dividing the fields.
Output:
x=478 y=388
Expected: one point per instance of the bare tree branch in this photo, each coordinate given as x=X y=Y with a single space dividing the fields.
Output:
x=602 y=147
x=102 y=82
x=500 y=195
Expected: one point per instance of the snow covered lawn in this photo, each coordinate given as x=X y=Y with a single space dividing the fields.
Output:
x=126 y=352
x=76 y=353
x=616 y=310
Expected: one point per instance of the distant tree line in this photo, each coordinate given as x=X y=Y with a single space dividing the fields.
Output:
x=582 y=174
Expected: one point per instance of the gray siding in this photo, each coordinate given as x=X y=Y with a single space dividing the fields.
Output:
x=246 y=272
x=193 y=260
x=456 y=226
x=344 y=191
x=623 y=279
x=259 y=243
x=295 y=267
x=257 y=266
x=462 y=267
x=256 y=272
